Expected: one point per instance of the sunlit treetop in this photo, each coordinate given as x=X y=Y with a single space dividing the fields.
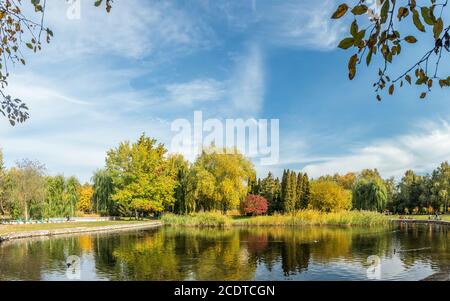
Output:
x=375 y=31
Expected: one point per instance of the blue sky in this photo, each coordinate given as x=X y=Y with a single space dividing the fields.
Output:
x=108 y=78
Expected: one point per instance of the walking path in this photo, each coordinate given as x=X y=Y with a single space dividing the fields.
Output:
x=61 y=231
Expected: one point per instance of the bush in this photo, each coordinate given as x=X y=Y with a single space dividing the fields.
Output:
x=254 y=205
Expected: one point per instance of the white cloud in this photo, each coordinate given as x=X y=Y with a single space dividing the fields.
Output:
x=248 y=81
x=133 y=29
x=199 y=90
x=305 y=24
x=420 y=151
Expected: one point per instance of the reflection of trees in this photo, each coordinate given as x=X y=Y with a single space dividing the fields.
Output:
x=220 y=254
x=432 y=239
x=30 y=259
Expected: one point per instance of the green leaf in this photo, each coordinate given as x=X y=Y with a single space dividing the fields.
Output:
x=354 y=28
x=426 y=14
x=352 y=66
x=369 y=57
x=417 y=21
x=360 y=9
x=340 y=12
x=346 y=43
x=438 y=28
x=385 y=11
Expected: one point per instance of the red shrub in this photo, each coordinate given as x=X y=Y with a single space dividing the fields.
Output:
x=254 y=205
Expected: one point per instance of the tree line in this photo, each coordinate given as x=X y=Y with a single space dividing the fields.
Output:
x=142 y=179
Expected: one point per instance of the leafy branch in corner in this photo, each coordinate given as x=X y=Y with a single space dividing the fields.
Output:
x=19 y=32
x=380 y=35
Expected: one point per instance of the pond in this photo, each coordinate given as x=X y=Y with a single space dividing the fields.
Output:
x=405 y=252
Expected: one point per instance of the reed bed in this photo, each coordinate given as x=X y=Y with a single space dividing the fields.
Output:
x=300 y=218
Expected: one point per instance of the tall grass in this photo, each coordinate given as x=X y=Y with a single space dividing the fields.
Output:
x=203 y=219
x=300 y=218
x=318 y=218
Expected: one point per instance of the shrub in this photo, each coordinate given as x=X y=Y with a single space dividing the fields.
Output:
x=254 y=205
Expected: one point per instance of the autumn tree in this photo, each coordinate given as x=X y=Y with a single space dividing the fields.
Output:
x=141 y=177
x=378 y=31
x=85 y=203
x=328 y=196
x=254 y=205
x=219 y=180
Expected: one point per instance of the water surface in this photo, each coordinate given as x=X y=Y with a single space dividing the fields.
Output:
x=407 y=252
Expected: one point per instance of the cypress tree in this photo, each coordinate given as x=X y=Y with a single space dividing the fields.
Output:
x=305 y=191
x=299 y=192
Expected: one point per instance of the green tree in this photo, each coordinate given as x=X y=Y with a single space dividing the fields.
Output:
x=3 y=185
x=71 y=196
x=103 y=190
x=54 y=197
x=370 y=195
x=270 y=190
x=410 y=190
x=288 y=191
x=179 y=170
x=28 y=189
x=369 y=191
x=141 y=177
x=440 y=186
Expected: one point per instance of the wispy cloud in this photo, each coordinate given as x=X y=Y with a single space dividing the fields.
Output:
x=248 y=81
x=305 y=24
x=199 y=90
x=133 y=29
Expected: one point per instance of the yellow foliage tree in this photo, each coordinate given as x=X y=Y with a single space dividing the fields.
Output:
x=329 y=196
x=85 y=202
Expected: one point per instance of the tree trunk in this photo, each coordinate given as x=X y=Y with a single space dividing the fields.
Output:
x=26 y=211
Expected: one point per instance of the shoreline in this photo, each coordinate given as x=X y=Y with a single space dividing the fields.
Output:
x=418 y=221
x=79 y=230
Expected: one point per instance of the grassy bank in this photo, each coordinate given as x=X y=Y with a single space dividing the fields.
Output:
x=7 y=229
x=301 y=218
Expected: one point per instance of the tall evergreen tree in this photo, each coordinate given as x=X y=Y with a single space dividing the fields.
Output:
x=299 y=191
x=306 y=192
x=284 y=189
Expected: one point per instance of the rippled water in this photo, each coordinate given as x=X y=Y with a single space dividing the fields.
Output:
x=407 y=252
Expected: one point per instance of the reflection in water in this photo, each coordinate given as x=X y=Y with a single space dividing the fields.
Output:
x=407 y=252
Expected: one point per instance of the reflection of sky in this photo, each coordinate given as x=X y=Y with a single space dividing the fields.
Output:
x=347 y=269
x=88 y=271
